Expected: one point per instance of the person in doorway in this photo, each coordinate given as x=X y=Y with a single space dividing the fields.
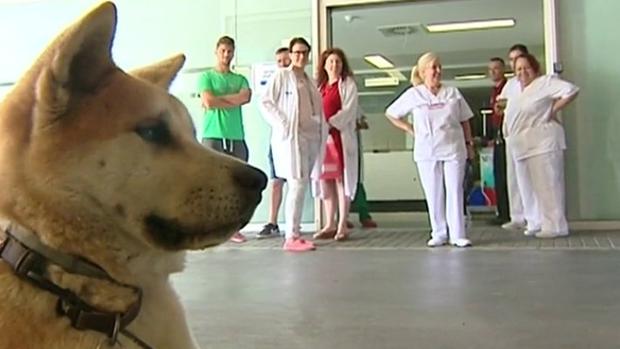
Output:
x=536 y=140
x=293 y=108
x=339 y=175
x=497 y=69
x=283 y=60
x=442 y=144
x=222 y=93
x=360 y=202
x=522 y=203
x=283 y=57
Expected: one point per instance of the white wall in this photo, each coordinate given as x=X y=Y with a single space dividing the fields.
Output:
x=391 y=176
x=588 y=43
x=150 y=30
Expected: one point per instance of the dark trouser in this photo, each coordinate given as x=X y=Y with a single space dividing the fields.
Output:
x=468 y=183
x=501 y=183
x=233 y=148
x=360 y=204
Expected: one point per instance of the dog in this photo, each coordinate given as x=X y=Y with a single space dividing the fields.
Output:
x=105 y=187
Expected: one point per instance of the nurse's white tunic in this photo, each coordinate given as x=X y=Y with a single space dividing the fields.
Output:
x=536 y=141
x=528 y=126
x=436 y=121
x=439 y=151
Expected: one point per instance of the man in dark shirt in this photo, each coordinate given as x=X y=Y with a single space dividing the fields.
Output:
x=496 y=73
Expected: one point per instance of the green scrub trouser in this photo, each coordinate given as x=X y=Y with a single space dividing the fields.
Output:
x=360 y=204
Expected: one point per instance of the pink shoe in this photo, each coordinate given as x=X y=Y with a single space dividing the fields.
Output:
x=238 y=238
x=298 y=245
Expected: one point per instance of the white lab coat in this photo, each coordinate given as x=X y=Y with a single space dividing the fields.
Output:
x=345 y=120
x=294 y=156
x=360 y=148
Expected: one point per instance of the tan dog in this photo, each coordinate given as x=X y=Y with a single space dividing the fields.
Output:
x=103 y=166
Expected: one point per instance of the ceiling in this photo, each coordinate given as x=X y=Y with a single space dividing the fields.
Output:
x=356 y=29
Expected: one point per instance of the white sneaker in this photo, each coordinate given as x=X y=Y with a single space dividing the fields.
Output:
x=435 y=242
x=531 y=232
x=514 y=225
x=461 y=242
x=550 y=235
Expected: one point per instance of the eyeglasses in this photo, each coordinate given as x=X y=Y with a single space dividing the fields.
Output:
x=303 y=52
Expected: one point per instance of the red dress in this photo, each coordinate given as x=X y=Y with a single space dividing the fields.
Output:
x=333 y=163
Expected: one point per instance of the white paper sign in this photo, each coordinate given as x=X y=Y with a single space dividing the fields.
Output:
x=261 y=74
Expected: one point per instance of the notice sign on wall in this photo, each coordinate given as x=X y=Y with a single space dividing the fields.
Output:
x=261 y=74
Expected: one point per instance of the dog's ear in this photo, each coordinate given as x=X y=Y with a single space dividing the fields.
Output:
x=78 y=60
x=161 y=73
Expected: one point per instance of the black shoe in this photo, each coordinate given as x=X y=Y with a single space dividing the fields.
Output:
x=269 y=230
x=498 y=221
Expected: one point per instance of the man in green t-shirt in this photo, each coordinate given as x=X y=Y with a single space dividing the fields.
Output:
x=222 y=93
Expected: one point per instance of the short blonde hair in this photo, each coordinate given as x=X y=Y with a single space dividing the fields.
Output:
x=423 y=62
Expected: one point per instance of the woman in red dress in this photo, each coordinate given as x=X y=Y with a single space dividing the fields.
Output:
x=339 y=169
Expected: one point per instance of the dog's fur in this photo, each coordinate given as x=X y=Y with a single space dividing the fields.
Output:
x=104 y=165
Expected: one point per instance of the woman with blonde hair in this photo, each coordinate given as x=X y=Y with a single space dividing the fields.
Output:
x=442 y=144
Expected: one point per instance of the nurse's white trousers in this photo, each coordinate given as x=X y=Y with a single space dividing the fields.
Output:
x=442 y=182
x=546 y=174
x=521 y=198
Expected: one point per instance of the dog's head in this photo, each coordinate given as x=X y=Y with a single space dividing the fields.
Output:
x=92 y=157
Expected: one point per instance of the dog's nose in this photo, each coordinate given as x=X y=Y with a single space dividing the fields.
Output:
x=250 y=177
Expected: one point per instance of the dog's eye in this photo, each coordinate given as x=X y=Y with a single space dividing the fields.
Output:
x=154 y=132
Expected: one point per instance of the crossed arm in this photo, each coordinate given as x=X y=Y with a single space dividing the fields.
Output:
x=227 y=101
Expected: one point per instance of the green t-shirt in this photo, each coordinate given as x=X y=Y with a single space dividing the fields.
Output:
x=223 y=123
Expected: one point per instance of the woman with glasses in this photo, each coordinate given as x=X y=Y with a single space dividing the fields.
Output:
x=292 y=107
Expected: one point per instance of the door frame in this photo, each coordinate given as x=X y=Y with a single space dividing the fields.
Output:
x=320 y=25
x=321 y=30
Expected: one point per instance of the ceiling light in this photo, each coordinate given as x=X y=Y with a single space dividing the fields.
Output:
x=375 y=93
x=2 y=2
x=509 y=75
x=379 y=61
x=381 y=82
x=395 y=73
x=470 y=25
x=470 y=77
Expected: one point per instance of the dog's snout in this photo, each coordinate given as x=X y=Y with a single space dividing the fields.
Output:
x=250 y=177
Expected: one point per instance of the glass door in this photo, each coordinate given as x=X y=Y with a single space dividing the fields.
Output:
x=383 y=40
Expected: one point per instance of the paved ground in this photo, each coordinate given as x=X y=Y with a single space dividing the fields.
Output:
x=384 y=289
